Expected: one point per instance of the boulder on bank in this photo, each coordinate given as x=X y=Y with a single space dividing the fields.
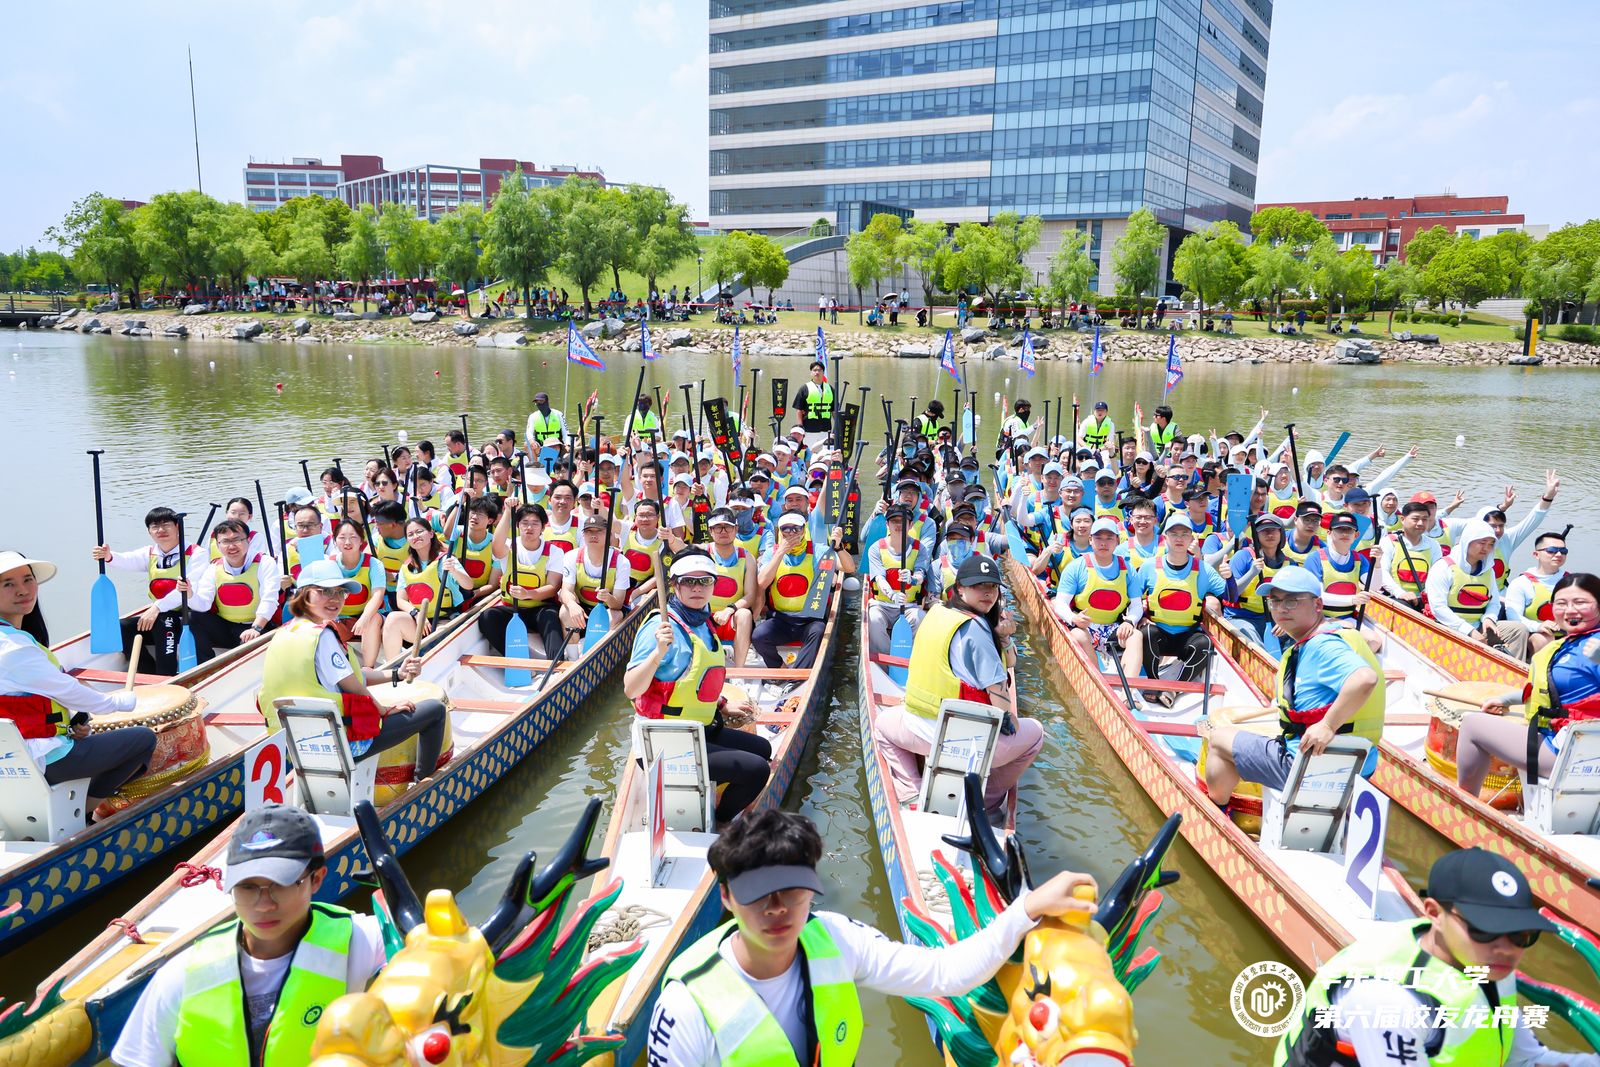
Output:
x=245 y=331
x=1356 y=350
x=177 y=329
x=97 y=329
x=994 y=351
x=106 y=305
x=420 y=317
x=1525 y=361
x=512 y=339
x=138 y=332
x=679 y=338
x=345 y=316
x=914 y=352
x=194 y=309
x=465 y=329
x=130 y=325
x=301 y=326
x=372 y=316
x=973 y=335
x=602 y=328
x=91 y=324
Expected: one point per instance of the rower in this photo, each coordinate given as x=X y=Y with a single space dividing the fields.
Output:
x=562 y=529
x=500 y=478
x=385 y=488
x=451 y=467
x=1253 y=566
x=928 y=423
x=788 y=572
x=1143 y=544
x=430 y=584
x=249 y=993
x=1329 y=683
x=1163 y=431
x=1412 y=554
x=52 y=709
x=1179 y=587
x=1528 y=597
x=814 y=401
x=1509 y=539
x=778 y=984
x=1563 y=688
x=680 y=506
x=1436 y=529
x=477 y=554
x=1043 y=515
x=1097 y=428
x=1385 y=991
x=1283 y=499
x=586 y=571
x=389 y=543
x=1388 y=511
x=1101 y=599
x=1080 y=528
x=1305 y=536
x=733 y=597
x=1341 y=569
x=242 y=509
x=1020 y=425
x=1141 y=477
x=307 y=658
x=363 y=611
x=963 y=650
x=677 y=671
x=897 y=579
x=427 y=497
x=959 y=542
x=312 y=538
x=1463 y=595
x=331 y=503
x=530 y=582
x=227 y=607
x=546 y=426
x=641 y=542
x=161 y=620
x=1359 y=503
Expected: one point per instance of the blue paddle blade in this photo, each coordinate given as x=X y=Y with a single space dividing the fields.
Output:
x=901 y=639
x=310 y=548
x=967 y=436
x=188 y=660
x=517 y=648
x=1337 y=445
x=548 y=456
x=1239 y=488
x=598 y=626
x=105 y=620
x=1015 y=544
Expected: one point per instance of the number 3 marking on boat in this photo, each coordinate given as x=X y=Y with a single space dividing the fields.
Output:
x=270 y=773
x=1363 y=848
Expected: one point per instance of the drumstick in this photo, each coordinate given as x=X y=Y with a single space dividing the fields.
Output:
x=133 y=660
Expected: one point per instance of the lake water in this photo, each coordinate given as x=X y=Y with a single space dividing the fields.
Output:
x=188 y=427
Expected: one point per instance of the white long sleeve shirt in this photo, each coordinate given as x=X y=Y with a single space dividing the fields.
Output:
x=25 y=670
x=1514 y=536
x=138 y=559
x=268 y=577
x=1519 y=594
x=1427 y=552
x=679 y=1036
x=1440 y=577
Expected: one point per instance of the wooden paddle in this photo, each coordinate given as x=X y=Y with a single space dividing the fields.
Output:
x=105 y=618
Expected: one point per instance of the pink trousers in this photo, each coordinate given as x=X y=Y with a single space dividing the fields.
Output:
x=901 y=746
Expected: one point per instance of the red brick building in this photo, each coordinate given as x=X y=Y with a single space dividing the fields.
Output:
x=1383 y=225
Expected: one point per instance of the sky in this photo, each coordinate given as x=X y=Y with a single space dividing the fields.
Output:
x=1363 y=98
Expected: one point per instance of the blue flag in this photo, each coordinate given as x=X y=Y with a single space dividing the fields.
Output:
x=645 y=347
x=1174 y=368
x=947 y=357
x=738 y=356
x=1026 y=362
x=578 y=350
x=1097 y=356
x=822 y=347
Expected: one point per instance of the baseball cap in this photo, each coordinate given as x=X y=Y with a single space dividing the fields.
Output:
x=759 y=473
x=1357 y=495
x=1488 y=891
x=800 y=489
x=682 y=479
x=42 y=571
x=1343 y=520
x=276 y=842
x=1291 y=580
x=1267 y=518
x=586 y=489
x=907 y=483
x=1423 y=497
x=1308 y=507
x=897 y=511
x=721 y=517
x=1055 y=468
x=1105 y=524
x=1195 y=493
x=791 y=518
x=1101 y=405
x=1105 y=476
x=1037 y=453
x=760 y=883
x=978 y=569
x=960 y=529
x=325 y=574
x=607 y=457
x=959 y=506
x=1176 y=520
x=692 y=565
x=595 y=522
x=541 y=396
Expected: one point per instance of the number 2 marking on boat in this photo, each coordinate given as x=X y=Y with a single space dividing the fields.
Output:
x=270 y=772
x=1363 y=850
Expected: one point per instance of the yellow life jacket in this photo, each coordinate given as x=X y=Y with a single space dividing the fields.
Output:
x=695 y=693
x=478 y=559
x=1545 y=707
x=527 y=575
x=1409 y=568
x=546 y=428
x=930 y=679
x=1368 y=720
x=792 y=582
x=1539 y=608
x=356 y=603
x=1138 y=556
x=1469 y=594
x=417 y=588
x=238 y=595
x=163 y=580
x=1295 y=555
x=565 y=540
x=1341 y=581
x=1175 y=602
x=586 y=585
x=392 y=554
x=37 y=717
x=641 y=557
x=900 y=569
x=1283 y=504
x=1103 y=599
x=729 y=587
x=1250 y=598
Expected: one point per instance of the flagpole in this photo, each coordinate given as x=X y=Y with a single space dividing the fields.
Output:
x=566 y=389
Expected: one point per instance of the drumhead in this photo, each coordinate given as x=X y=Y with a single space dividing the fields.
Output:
x=159 y=699
x=416 y=692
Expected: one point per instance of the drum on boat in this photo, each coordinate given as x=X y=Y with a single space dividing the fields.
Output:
x=1246 y=803
x=174 y=714
x=1502 y=789
x=397 y=768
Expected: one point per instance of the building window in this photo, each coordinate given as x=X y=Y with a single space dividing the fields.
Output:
x=1332 y=215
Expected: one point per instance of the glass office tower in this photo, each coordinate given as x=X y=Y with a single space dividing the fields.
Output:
x=1077 y=110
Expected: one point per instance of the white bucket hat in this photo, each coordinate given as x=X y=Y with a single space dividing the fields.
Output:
x=42 y=571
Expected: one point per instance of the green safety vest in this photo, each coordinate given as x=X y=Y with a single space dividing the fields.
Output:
x=927 y=427
x=1161 y=438
x=746 y=1033
x=1096 y=432
x=819 y=402
x=211 y=1021
x=1394 y=952
x=643 y=424
x=546 y=428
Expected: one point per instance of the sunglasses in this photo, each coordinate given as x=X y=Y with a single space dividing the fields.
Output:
x=1520 y=938
x=697 y=583
x=1553 y=551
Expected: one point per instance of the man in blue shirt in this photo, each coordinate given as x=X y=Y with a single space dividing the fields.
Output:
x=1179 y=588
x=1324 y=682
x=1101 y=598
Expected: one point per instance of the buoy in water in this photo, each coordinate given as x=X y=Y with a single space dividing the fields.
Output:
x=211 y=363
x=435 y=374
x=278 y=386
x=1461 y=440
x=174 y=351
x=1295 y=391
x=401 y=437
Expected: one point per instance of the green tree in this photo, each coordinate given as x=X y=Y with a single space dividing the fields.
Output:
x=1399 y=285
x=1286 y=225
x=1466 y=271
x=238 y=247
x=765 y=265
x=663 y=235
x=821 y=227
x=170 y=233
x=307 y=256
x=407 y=240
x=1212 y=263
x=1513 y=249
x=1018 y=235
x=458 y=238
x=1421 y=249
x=334 y=214
x=619 y=244
x=1136 y=255
x=1273 y=271
x=866 y=262
x=582 y=240
x=100 y=236
x=1562 y=266
x=664 y=247
x=1072 y=272
x=360 y=258
x=924 y=248
x=981 y=260
x=1340 y=278
x=520 y=235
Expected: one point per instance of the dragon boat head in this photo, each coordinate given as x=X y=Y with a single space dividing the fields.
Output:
x=508 y=993
x=1066 y=997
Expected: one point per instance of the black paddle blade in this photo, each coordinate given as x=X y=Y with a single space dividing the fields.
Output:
x=397 y=891
x=1120 y=903
x=1004 y=863
x=571 y=862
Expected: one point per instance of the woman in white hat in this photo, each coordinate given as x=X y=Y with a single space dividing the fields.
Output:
x=307 y=659
x=50 y=707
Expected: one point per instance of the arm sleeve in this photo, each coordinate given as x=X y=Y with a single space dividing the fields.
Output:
x=25 y=669
x=1515 y=535
x=136 y=559
x=150 y=1037
x=1374 y=1045
x=1387 y=475
x=1518 y=595
x=333 y=666
x=679 y=1036
x=205 y=588
x=901 y=970
x=1438 y=589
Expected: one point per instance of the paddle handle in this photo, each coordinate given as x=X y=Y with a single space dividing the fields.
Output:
x=133 y=661
x=183 y=567
x=99 y=506
x=1453 y=698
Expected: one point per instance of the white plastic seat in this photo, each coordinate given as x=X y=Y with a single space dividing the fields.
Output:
x=31 y=809
x=331 y=781
x=963 y=742
x=1568 y=802
x=1308 y=814
x=686 y=789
